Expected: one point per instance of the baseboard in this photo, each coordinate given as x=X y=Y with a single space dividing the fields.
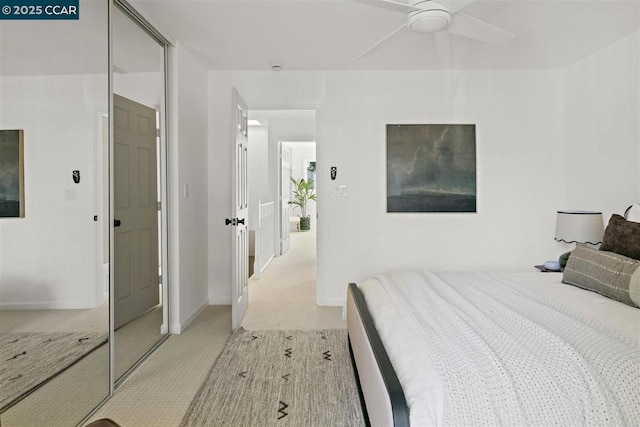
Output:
x=177 y=328
x=333 y=302
x=266 y=263
x=45 y=305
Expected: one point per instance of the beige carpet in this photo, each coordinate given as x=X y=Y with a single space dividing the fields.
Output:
x=28 y=359
x=284 y=297
x=161 y=390
x=64 y=399
x=280 y=378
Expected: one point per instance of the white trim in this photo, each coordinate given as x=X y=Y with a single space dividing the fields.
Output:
x=334 y=302
x=101 y=200
x=177 y=328
x=320 y=228
x=172 y=202
x=267 y=263
x=164 y=128
x=105 y=283
x=46 y=305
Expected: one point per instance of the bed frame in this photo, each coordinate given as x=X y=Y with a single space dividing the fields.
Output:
x=380 y=390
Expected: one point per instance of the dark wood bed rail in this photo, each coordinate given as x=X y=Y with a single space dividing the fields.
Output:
x=394 y=389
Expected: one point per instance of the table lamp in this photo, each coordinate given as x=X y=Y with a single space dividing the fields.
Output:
x=578 y=227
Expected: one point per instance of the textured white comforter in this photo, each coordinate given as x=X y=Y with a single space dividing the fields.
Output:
x=479 y=349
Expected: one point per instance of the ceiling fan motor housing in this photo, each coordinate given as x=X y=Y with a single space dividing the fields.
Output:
x=432 y=17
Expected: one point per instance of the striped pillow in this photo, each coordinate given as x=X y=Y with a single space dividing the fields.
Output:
x=612 y=275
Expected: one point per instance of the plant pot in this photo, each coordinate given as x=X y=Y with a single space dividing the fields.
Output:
x=305 y=223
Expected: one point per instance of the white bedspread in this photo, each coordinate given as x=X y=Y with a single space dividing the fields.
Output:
x=479 y=349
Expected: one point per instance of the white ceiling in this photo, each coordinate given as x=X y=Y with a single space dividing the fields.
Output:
x=329 y=34
x=317 y=35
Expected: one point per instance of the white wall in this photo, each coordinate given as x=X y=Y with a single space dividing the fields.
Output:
x=144 y=88
x=529 y=124
x=48 y=259
x=188 y=152
x=518 y=115
x=259 y=190
x=518 y=118
x=602 y=129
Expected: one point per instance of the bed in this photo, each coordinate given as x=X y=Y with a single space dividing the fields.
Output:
x=483 y=348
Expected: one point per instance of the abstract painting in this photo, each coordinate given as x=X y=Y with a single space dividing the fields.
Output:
x=431 y=168
x=11 y=173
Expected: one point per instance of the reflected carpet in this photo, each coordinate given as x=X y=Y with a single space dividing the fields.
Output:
x=28 y=359
x=284 y=378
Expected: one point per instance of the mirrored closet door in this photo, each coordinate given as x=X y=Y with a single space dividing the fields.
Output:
x=54 y=311
x=139 y=297
x=82 y=223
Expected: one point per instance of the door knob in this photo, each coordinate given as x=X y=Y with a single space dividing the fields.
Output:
x=116 y=223
x=234 y=221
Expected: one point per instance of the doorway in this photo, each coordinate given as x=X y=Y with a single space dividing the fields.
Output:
x=281 y=145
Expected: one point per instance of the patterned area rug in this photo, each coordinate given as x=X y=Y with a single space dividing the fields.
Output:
x=283 y=378
x=29 y=359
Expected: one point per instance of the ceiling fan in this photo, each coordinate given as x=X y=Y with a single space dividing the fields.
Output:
x=430 y=16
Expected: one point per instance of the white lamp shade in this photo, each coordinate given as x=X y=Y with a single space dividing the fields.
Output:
x=579 y=227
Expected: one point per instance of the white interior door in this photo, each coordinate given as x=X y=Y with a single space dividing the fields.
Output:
x=285 y=192
x=240 y=210
x=136 y=210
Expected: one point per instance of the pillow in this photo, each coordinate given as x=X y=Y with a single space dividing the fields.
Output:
x=613 y=275
x=622 y=237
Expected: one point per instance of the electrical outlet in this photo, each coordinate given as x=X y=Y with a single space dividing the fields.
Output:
x=70 y=194
x=340 y=191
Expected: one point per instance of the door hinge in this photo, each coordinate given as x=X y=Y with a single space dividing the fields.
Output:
x=159 y=206
x=158 y=133
x=160 y=279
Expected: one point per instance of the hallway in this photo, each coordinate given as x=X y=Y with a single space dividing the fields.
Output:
x=284 y=297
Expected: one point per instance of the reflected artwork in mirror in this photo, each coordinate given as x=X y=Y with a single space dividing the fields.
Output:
x=12 y=173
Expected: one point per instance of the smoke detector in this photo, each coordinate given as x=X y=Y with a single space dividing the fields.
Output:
x=277 y=66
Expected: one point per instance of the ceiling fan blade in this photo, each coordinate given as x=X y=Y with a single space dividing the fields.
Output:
x=396 y=6
x=474 y=28
x=388 y=36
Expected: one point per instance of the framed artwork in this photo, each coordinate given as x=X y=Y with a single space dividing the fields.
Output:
x=11 y=174
x=431 y=168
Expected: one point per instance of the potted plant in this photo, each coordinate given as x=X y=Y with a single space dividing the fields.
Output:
x=302 y=193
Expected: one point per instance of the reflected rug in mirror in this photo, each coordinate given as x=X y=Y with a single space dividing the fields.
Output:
x=28 y=359
x=283 y=378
